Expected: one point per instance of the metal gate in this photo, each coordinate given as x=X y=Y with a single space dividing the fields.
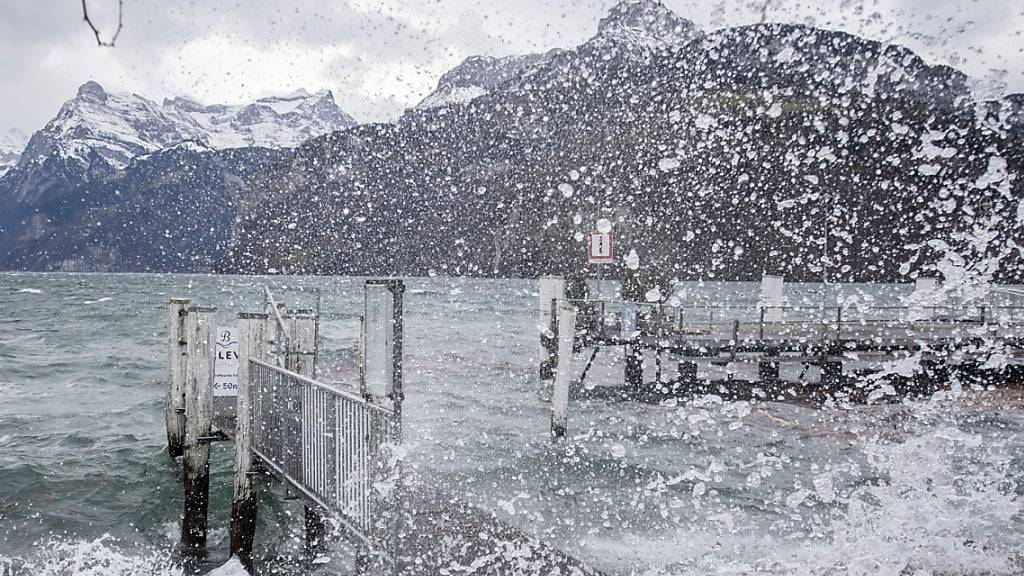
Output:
x=331 y=445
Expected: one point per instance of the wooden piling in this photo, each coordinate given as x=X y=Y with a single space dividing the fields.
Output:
x=200 y=327
x=688 y=382
x=634 y=368
x=177 y=362
x=831 y=377
x=253 y=335
x=551 y=290
x=563 y=371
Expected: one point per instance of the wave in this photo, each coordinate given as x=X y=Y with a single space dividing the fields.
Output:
x=99 y=557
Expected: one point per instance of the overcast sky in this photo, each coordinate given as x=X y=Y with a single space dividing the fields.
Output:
x=382 y=56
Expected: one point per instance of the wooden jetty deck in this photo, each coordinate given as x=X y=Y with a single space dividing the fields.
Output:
x=333 y=447
x=745 y=350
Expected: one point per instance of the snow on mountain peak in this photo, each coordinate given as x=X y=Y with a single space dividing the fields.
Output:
x=646 y=24
x=12 y=143
x=118 y=127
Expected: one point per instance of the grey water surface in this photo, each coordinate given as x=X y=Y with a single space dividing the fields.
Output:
x=934 y=486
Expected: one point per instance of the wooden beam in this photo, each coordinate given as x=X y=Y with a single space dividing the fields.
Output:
x=198 y=422
x=177 y=363
x=253 y=336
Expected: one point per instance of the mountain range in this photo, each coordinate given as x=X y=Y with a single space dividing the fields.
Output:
x=716 y=154
x=75 y=196
x=765 y=148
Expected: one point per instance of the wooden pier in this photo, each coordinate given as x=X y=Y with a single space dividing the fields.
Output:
x=334 y=447
x=337 y=446
x=749 y=345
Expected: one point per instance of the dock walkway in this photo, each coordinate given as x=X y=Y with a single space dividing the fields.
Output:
x=334 y=447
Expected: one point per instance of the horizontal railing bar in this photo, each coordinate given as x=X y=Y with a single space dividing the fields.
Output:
x=329 y=388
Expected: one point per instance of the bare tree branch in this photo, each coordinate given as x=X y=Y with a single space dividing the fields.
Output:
x=96 y=32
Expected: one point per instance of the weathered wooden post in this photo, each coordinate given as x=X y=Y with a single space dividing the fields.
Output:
x=831 y=377
x=381 y=381
x=688 y=381
x=551 y=290
x=198 y=421
x=177 y=362
x=253 y=336
x=563 y=370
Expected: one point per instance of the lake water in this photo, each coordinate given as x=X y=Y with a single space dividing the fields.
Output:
x=709 y=487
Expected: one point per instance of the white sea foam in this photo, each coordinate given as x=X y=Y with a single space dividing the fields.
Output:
x=30 y=291
x=104 y=299
x=944 y=504
x=232 y=567
x=99 y=557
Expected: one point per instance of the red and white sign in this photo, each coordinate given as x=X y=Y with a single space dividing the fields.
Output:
x=599 y=247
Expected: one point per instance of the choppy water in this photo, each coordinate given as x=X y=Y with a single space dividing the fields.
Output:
x=711 y=487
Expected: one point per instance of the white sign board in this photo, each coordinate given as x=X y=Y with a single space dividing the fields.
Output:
x=225 y=381
x=599 y=247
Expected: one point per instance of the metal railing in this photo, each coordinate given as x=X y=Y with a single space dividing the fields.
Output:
x=602 y=317
x=331 y=445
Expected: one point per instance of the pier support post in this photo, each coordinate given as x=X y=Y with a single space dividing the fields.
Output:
x=933 y=375
x=315 y=530
x=768 y=375
x=198 y=421
x=253 y=335
x=831 y=377
x=563 y=370
x=688 y=377
x=551 y=290
x=177 y=363
x=634 y=369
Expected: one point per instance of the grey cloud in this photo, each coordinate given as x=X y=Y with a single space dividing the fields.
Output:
x=46 y=51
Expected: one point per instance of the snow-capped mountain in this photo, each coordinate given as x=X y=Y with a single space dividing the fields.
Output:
x=105 y=156
x=633 y=28
x=476 y=76
x=716 y=150
x=118 y=127
x=644 y=25
x=11 y=145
